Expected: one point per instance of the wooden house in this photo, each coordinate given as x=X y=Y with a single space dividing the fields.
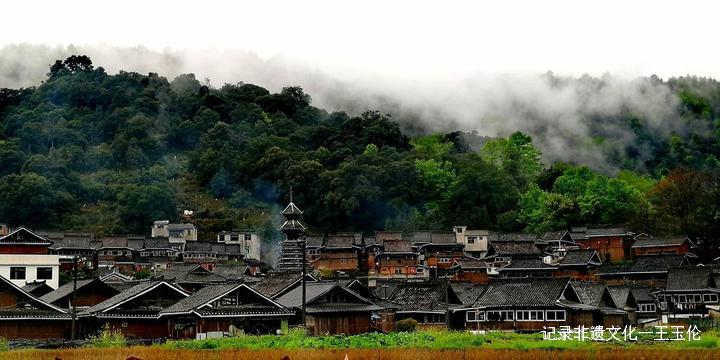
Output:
x=578 y=264
x=612 y=244
x=625 y=300
x=225 y=310
x=89 y=292
x=425 y=302
x=331 y=309
x=397 y=260
x=646 y=245
x=645 y=270
x=598 y=295
x=340 y=252
x=438 y=250
x=527 y=305
x=688 y=292
x=136 y=311
x=471 y=270
x=24 y=316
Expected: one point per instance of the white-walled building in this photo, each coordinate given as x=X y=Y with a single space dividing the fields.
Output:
x=249 y=242
x=179 y=234
x=25 y=257
x=475 y=241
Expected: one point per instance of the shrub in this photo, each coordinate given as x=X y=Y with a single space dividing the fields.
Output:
x=108 y=338
x=4 y=345
x=406 y=325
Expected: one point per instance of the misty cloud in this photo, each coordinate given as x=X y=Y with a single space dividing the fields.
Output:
x=561 y=113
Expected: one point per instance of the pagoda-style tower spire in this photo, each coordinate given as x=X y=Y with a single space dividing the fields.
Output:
x=291 y=251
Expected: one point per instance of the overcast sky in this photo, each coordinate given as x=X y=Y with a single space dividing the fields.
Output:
x=405 y=39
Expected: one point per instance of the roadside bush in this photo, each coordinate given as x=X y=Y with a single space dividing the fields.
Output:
x=108 y=338
x=406 y=325
x=4 y=345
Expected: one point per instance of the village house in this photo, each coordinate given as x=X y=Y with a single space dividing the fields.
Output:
x=470 y=270
x=25 y=257
x=331 y=309
x=156 y=254
x=398 y=260
x=278 y=284
x=340 y=253
x=119 y=253
x=527 y=305
x=438 y=250
x=646 y=245
x=178 y=234
x=425 y=302
x=248 y=241
x=647 y=306
x=599 y=296
x=649 y=270
x=89 y=292
x=521 y=267
x=190 y=277
x=74 y=247
x=313 y=244
x=136 y=311
x=24 y=316
x=612 y=244
x=216 y=311
x=687 y=293
x=578 y=264
x=624 y=300
x=474 y=242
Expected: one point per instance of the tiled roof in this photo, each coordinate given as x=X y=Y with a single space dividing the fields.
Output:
x=37 y=288
x=527 y=263
x=314 y=241
x=514 y=248
x=660 y=241
x=67 y=289
x=209 y=293
x=690 y=278
x=27 y=305
x=580 y=257
x=340 y=241
x=470 y=263
x=607 y=231
x=423 y=296
x=129 y=294
x=620 y=294
x=512 y=237
x=644 y=264
x=397 y=246
x=642 y=293
x=273 y=284
x=198 y=246
x=443 y=238
x=590 y=293
x=522 y=292
x=468 y=292
x=157 y=243
x=315 y=290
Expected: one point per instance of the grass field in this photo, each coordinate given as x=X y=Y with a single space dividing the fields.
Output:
x=431 y=345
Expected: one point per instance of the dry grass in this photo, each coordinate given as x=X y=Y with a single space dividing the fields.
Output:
x=154 y=353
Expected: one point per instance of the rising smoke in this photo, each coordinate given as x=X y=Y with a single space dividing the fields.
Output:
x=561 y=114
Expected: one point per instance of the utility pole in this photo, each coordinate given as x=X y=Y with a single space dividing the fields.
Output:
x=74 y=272
x=304 y=260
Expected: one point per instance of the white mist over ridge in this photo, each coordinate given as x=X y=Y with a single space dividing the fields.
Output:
x=560 y=112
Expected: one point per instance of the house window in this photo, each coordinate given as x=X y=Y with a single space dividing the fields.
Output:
x=647 y=307
x=710 y=298
x=234 y=237
x=529 y=315
x=343 y=261
x=471 y=239
x=44 y=273
x=471 y=316
x=500 y=315
x=248 y=237
x=697 y=298
x=17 y=273
x=555 y=315
x=398 y=271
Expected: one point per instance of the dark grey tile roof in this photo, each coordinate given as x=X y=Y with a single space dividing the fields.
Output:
x=515 y=248
x=470 y=263
x=190 y=273
x=231 y=272
x=590 y=293
x=199 y=300
x=421 y=237
x=607 y=231
x=314 y=241
x=527 y=263
x=443 y=238
x=512 y=237
x=425 y=296
x=580 y=257
x=382 y=236
x=157 y=243
x=660 y=241
x=468 y=292
x=198 y=246
x=128 y=295
x=397 y=246
x=642 y=293
x=114 y=242
x=200 y=297
x=272 y=284
x=644 y=264
x=37 y=288
x=621 y=294
x=690 y=278
x=522 y=292
x=136 y=243
x=67 y=289
x=315 y=290
x=342 y=308
x=340 y=241
x=554 y=235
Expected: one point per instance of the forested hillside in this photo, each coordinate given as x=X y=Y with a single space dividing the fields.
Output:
x=90 y=151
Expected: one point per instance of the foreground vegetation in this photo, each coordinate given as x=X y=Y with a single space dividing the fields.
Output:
x=418 y=345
